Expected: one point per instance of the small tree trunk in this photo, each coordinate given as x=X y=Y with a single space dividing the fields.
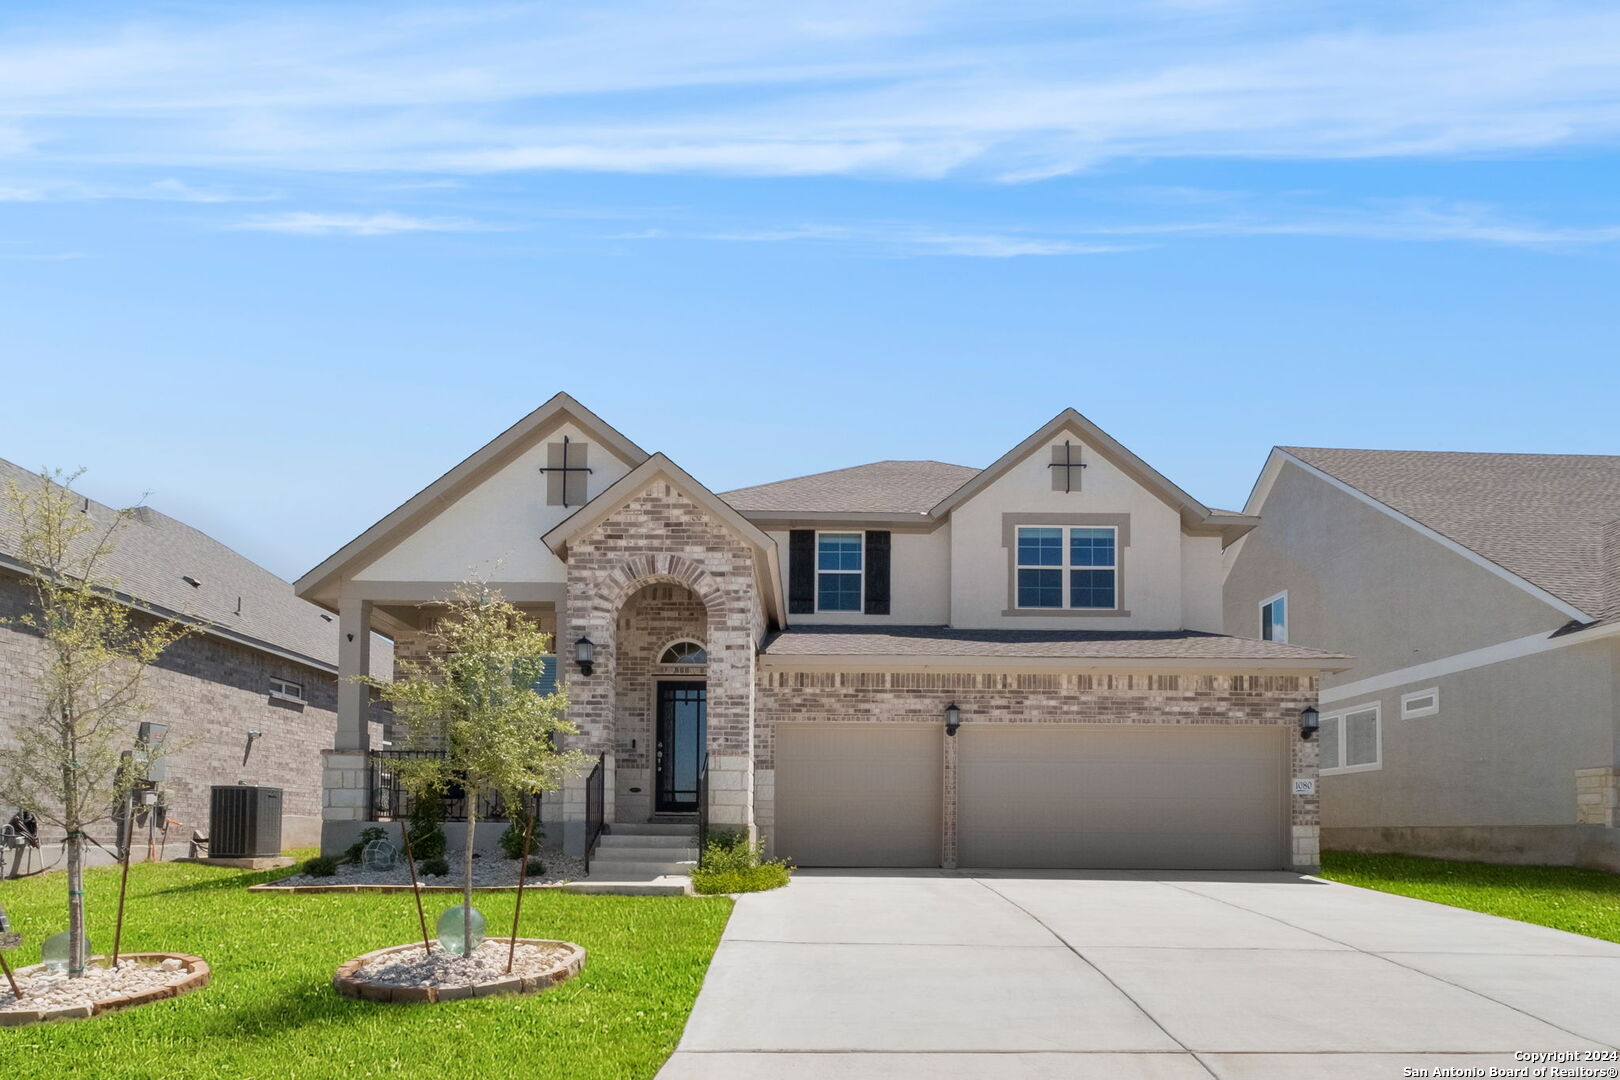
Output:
x=75 y=884
x=523 y=879
x=467 y=871
x=127 y=837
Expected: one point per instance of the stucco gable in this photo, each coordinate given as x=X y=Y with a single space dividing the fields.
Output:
x=1093 y=440
x=405 y=545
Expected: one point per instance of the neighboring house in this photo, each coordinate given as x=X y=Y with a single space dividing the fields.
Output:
x=1480 y=597
x=795 y=653
x=264 y=661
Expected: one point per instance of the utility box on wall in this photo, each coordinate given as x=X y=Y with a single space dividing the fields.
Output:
x=244 y=822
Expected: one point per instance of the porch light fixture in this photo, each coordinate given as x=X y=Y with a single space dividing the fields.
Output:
x=585 y=654
x=1310 y=722
x=953 y=718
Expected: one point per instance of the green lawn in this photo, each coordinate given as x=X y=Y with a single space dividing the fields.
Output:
x=270 y=1010
x=1580 y=901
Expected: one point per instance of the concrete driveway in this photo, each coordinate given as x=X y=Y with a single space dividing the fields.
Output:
x=1080 y=975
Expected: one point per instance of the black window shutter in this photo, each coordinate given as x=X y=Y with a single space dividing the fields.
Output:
x=802 y=572
x=877 y=572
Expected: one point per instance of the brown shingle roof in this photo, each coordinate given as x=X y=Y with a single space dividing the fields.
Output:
x=945 y=641
x=1540 y=516
x=883 y=487
x=153 y=554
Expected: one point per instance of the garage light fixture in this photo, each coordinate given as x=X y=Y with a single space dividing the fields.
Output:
x=585 y=654
x=953 y=718
x=1310 y=722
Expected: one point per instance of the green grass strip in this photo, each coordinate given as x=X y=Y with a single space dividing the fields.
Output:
x=1580 y=901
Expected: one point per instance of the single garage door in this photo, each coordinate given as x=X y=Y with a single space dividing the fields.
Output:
x=1116 y=796
x=859 y=794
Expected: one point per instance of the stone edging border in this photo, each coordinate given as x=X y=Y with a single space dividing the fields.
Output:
x=197 y=978
x=294 y=890
x=345 y=982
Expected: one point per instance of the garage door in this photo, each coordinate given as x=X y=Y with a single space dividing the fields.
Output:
x=859 y=794
x=1126 y=797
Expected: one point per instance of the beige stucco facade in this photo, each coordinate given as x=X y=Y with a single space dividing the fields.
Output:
x=1493 y=772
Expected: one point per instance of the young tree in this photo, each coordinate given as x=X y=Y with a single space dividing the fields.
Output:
x=64 y=765
x=474 y=700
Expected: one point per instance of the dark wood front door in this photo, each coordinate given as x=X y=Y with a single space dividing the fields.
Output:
x=683 y=713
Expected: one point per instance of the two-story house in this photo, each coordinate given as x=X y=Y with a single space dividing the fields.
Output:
x=906 y=663
x=1479 y=595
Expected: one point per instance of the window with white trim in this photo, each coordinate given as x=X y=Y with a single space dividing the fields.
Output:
x=1274 y=618
x=1067 y=568
x=1352 y=740
x=1420 y=703
x=685 y=652
x=286 y=689
x=840 y=572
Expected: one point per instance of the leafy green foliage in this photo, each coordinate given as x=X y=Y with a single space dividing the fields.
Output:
x=357 y=849
x=512 y=841
x=428 y=841
x=1579 y=901
x=89 y=689
x=730 y=864
x=535 y=868
x=270 y=1012
x=320 y=866
x=437 y=866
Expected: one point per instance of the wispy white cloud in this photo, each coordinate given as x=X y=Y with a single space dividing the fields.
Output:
x=166 y=190
x=903 y=239
x=917 y=88
x=1403 y=221
x=386 y=223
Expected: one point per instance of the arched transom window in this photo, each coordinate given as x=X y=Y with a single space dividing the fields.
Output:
x=685 y=652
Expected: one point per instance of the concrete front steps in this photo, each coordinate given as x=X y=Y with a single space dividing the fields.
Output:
x=642 y=860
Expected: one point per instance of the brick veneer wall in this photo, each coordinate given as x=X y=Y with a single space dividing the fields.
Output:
x=661 y=537
x=1040 y=698
x=211 y=692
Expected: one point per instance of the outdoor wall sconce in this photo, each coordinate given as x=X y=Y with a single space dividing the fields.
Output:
x=585 y=654
x=953 y=718
x=1310 y=722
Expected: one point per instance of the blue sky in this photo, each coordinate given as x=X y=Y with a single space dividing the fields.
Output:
x=281 y=264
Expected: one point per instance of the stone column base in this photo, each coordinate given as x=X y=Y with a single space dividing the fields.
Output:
x=1306 y=849
x=1597 y=796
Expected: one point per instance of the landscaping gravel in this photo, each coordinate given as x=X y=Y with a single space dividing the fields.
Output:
x=487 y=964
x=46 y=989
x=489 y=869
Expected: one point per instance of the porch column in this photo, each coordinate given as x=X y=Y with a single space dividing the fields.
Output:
x=591 y=702
x=947 y=831
x=346 y=768
x=731 y=726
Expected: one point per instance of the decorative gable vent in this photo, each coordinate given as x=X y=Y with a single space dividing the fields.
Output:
x=565 y=472
x=1066 y=466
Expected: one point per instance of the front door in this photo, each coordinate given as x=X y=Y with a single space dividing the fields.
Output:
x=683 y=712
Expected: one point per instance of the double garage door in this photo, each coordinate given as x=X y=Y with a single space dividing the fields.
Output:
x=1034 y=795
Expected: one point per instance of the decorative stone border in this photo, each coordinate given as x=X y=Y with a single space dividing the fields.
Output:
x=348 y=982
x=198 y=975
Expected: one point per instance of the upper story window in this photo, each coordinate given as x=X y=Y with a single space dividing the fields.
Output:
x=1073 y=568
x=1420 y=703
x=684 y=652
x=839 y=571
x=1274 y=618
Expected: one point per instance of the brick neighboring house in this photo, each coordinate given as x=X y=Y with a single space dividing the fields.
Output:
x=790 y=652
x=1480 y=597
x=266 y=661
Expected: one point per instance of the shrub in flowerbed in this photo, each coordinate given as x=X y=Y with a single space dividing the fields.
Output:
x=729 y=863
x=320 y=866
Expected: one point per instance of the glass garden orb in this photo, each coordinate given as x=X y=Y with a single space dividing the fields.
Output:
x=450 y=928
x=379 y=855
x=53 y=953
